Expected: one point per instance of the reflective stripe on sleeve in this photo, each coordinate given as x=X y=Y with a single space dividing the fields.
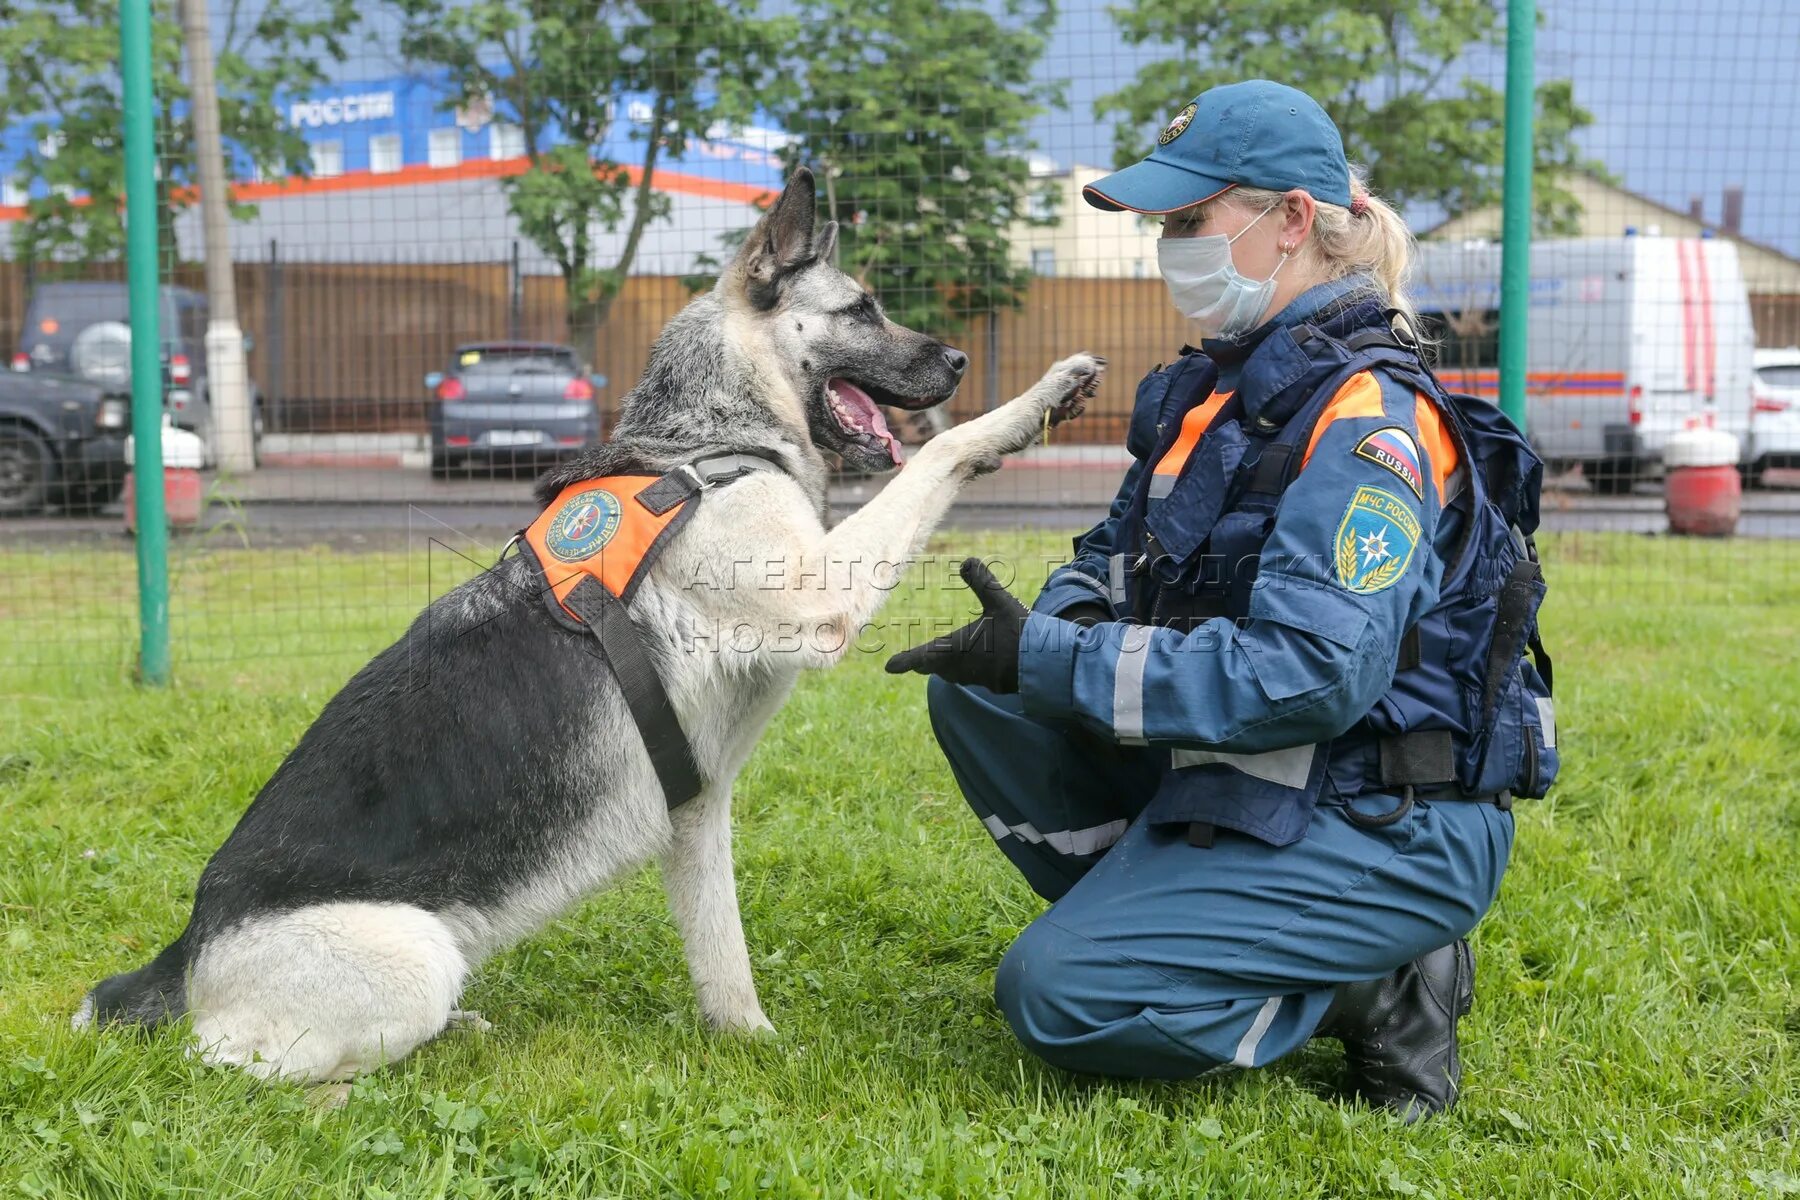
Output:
x=1128 y=685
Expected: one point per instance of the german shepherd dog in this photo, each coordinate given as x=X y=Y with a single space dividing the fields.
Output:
x=484 y=774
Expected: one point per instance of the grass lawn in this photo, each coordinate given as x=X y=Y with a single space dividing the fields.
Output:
x=1635 y=1033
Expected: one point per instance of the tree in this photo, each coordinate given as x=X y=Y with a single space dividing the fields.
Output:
x=559 y=68
x=1387 y=72
x=914 y=115
x=61 y=81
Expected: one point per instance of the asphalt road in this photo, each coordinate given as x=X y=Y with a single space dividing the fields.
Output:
x=351 y=507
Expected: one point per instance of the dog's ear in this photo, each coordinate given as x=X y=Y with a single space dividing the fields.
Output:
x=781 y=241
x=825 y=245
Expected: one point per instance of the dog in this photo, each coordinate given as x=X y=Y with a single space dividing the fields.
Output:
x=483 y=774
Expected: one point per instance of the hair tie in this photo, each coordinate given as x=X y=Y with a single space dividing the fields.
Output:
x=1359 y=204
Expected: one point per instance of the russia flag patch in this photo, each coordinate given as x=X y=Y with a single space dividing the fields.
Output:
x=1395 y=449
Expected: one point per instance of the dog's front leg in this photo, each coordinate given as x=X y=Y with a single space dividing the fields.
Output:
x=702 y=892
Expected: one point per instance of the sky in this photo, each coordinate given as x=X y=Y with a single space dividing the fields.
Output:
x=1688 y=96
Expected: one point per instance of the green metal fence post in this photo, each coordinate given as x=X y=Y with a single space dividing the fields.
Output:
x=146 y=343
x=1515 y=227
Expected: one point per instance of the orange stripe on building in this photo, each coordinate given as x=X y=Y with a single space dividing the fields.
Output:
x=1193 y=428
x=675 y=182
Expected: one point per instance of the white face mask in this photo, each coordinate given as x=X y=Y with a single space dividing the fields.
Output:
x=1206 y=285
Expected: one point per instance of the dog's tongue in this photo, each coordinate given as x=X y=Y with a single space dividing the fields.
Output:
x=866 y=413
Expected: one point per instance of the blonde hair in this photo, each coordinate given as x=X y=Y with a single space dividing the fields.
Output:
x=1369 y=236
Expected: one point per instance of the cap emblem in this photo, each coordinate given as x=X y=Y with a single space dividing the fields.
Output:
x=1179 y=125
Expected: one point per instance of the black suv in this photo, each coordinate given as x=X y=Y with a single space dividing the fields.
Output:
x=62 y=439
x=84 y=329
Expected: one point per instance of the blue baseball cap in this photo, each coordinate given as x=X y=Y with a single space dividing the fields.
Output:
x=1257 y=133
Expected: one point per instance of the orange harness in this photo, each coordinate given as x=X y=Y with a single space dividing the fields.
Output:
x=592 y=546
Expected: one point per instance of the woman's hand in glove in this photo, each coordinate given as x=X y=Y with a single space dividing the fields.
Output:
x=984 y=652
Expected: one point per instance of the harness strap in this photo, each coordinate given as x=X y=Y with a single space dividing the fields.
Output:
x=592 y=605
x=1511 y=616
x=622 y=646
x=698 y=475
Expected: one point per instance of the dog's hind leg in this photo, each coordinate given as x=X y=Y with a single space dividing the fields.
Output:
x=697 y=875
x=326 y=991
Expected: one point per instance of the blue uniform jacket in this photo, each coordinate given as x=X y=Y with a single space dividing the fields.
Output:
x=1319 y=649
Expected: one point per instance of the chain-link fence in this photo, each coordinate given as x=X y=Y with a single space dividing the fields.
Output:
x=456 y=230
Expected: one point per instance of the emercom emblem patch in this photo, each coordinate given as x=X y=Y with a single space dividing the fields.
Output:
x=1375 y=540
x=583 y=526
x=1395 y=449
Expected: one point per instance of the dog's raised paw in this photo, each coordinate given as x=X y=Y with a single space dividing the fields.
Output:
x=1080 y=380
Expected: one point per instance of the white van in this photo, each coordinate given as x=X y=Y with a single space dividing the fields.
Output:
x=1629 y=340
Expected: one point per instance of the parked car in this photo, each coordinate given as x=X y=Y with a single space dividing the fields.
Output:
x=84 y=329
x=511 y=404
x=1775 y=414
x=1630 y=339
x=62 y=440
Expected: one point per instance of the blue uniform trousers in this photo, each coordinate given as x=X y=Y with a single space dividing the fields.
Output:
x=1159 y=959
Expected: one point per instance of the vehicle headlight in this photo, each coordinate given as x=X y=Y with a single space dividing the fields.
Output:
x=112 y=415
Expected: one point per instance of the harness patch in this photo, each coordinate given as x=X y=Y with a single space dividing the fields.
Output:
x=1375 y=540
x=1395 y=449
x=583 y=525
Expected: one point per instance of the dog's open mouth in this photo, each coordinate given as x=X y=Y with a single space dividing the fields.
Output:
x=860 y=417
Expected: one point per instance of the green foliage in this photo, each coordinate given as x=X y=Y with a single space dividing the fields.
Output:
x=914 y=115
x=1380 y=70
x=559 y=67
x=61 y=81
x=1634 y=1029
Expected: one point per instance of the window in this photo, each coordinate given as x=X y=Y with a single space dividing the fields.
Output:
x=384 y=153
x=1043 y=262
x=1780 y=376
x=445 y=147
x=327 y=159
x=506 y=141
x=1041 y=206
x=12 y=195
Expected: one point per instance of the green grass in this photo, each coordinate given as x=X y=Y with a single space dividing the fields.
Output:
x=1635 y=1032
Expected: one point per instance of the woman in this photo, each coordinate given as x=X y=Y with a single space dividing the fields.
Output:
x=1258 y=741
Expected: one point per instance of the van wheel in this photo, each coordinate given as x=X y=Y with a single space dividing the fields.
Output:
x=24 y=472
x=1610 y=477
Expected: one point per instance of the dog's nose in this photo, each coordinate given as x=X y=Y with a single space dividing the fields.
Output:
x=959 y=362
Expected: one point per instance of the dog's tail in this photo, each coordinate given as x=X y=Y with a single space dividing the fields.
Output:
x=148 y=996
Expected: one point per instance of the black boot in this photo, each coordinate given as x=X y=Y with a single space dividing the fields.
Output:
x=1399 y=1031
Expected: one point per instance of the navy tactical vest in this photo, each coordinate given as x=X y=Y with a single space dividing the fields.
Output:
x=1468 y=716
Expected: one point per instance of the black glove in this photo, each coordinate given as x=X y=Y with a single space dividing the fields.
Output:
x=985 y=652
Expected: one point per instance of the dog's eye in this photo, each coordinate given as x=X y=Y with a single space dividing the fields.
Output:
x=864 y=310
